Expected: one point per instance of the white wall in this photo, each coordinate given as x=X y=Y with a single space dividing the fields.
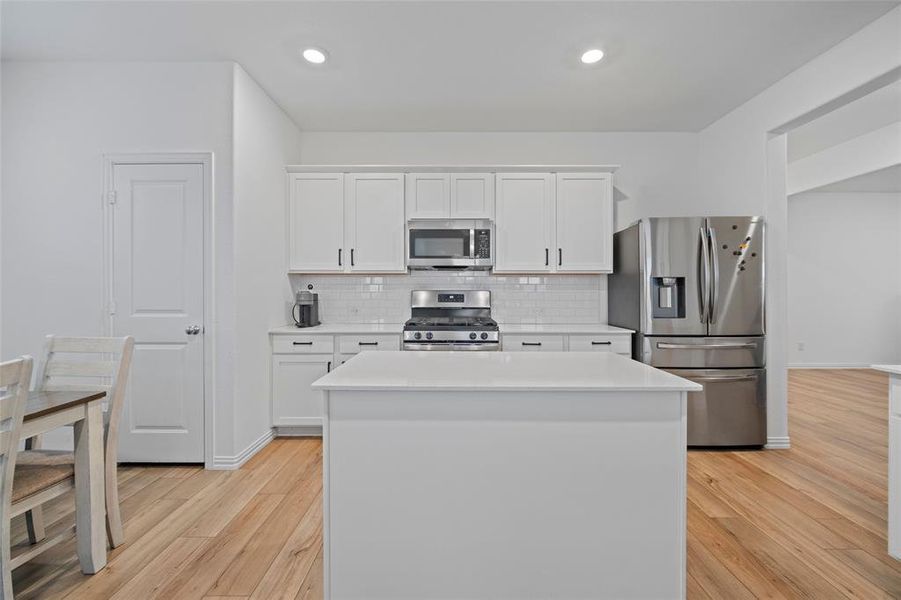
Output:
x=743 y=171
x=658 y=173
x=58 y=120
x=844 y=301
x=265 y=140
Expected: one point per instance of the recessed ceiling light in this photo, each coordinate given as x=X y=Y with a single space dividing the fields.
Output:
x=592 y=56
x=314 y=55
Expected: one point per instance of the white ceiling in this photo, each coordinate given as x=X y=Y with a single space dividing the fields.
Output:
x=886 y=180
x=866 y=114
x=463 y=66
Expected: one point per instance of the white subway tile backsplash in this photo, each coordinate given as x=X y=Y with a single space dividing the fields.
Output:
x=515 y=299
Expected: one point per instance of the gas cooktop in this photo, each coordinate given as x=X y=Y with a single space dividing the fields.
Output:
x=451 y=320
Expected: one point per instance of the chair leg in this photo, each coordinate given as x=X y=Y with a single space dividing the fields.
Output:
x=34 y=523
x=113 y=516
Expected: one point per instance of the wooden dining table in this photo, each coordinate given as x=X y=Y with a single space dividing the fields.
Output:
x=83 y=410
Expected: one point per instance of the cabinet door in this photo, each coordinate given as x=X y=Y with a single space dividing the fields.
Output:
x=315 y=222
x=472 y=196
x=375 y=222
x=524 y=224
x=293 y=402
x=428 y=195
x=584 y=222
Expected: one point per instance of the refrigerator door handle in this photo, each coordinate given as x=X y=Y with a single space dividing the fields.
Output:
x=703 y=274
x=720 y=346
x=715 y=268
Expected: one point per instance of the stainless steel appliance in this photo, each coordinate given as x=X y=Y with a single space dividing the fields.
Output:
x=451 y=320
x=457 y=244
x=306 y=309
x=693 y=289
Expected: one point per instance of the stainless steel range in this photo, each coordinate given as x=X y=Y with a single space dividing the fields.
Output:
x=451 y=320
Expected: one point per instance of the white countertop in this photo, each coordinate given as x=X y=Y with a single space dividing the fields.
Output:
x=563 y=329
x=500 y=371
x=339 y=328
x=893 y=369
x=508 y=328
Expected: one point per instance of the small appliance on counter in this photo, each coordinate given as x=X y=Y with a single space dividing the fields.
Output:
x=693 y=290
x=306 y=308
x=451 y=320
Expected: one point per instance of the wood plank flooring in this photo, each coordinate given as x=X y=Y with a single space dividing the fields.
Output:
x=809 y=522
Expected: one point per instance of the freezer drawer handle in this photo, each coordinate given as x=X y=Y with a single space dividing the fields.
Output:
x=727 y=378
x=729 y=346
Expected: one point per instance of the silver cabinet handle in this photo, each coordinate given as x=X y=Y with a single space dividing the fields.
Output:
x=725 y=345
x=531 y=343
x=601 y=343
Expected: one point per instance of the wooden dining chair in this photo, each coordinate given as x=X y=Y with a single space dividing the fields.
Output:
x=72 y=363
x=15 y=377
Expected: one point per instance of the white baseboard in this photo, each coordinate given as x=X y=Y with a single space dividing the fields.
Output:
x=298 y=431
x=829 y=366
x=778 y=443
x=230 y=463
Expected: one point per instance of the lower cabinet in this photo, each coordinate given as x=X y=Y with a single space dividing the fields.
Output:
x=532 y=343
x=617 y=343
x=294 y=403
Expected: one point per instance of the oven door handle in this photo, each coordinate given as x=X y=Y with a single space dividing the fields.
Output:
x=723 y=346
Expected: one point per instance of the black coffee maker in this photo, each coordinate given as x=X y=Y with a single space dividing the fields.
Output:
x=306 y=308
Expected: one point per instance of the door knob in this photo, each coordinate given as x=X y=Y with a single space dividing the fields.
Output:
x=192 y=329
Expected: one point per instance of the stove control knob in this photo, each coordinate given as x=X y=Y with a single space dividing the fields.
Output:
x=417 y=336
x=428 y=336
x=472 y=335
x=484 y=336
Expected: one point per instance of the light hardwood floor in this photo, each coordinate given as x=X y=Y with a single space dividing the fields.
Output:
x=806 y=522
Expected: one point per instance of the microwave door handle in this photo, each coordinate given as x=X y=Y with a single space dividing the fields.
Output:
x=472 y=243
x=703 y=274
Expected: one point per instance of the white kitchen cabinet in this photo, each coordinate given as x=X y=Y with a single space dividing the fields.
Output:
x=428 y=195
x=450 y=195
x=374 y=222
x=524 y=225
x=294 y=403
x=315 y=222
x=584 y=222
x=352 y=344
x=532 y=343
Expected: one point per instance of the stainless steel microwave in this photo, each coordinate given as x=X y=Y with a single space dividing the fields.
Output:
x=456 y=244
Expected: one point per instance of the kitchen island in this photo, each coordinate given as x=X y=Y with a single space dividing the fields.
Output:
x=503 y=475
x=894 y=457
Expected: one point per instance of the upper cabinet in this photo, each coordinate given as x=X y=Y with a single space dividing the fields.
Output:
x=545 y=222
x=524 y=226
x=450 y=195
x=341 y=223
x=584 y=228
x=554 y=223
x=316 y=222
x=374 y=222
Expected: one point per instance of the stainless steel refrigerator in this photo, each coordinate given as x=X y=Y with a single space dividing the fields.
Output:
x=693 y=290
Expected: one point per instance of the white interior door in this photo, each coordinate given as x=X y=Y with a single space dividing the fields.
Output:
x=157 y=281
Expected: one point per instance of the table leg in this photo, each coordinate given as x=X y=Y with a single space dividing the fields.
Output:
x=89 y=497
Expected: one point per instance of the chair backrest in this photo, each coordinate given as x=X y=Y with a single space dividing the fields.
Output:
x=15 y=377
x=89 y=363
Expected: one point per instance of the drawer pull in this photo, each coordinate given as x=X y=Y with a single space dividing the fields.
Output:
x=601 y=343
x=369 y=343
x=302 y=343
x=531 y=343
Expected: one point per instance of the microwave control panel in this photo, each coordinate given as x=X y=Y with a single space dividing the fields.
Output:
x=483 y=243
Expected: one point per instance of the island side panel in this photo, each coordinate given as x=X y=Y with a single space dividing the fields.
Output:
x=505 y=494
x=894 y=467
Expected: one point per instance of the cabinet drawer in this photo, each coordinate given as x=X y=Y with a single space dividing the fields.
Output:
x=303 y=344
x=621 y=344
x=351 y=344
x=532 y=343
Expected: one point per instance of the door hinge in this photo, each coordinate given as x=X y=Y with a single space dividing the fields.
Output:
x=111 y=196
x=112 y=307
